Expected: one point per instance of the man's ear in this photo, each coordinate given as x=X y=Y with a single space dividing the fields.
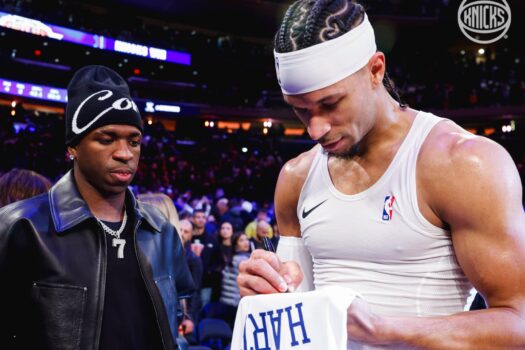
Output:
x=72 y=151
x=377 y=68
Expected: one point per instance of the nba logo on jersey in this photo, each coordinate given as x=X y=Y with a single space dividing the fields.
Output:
x=388 y=208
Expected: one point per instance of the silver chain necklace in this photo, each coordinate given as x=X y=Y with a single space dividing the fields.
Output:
x=117 y=241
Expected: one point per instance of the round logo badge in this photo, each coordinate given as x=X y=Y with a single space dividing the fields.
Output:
x=484 y=21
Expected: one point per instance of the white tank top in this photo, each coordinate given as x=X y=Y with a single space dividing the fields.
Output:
x=377 y=242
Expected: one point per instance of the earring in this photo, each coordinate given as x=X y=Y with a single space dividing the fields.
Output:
x=71 y=157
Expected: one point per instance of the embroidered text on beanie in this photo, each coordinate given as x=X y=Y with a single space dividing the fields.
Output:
x=98 y=96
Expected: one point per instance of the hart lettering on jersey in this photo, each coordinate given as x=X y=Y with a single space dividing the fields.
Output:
x=265 y=330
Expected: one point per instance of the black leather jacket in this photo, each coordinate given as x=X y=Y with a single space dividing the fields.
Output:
x=53 y=267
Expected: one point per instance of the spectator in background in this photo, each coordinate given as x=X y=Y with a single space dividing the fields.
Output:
x=225 y=242
x=221 y=207
x=262 y=230
x=186 y=232
x=211 y=224
x=230 y=294
x=183 y=204
x=164 y=204
x=251 y=228
x=246 y=212
x=233 y=215
x=204 y=204
x=275 y=229
x=19 y=184
x=196 y=270
x=206 y=246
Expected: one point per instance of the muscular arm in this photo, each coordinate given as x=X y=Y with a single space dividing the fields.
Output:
x=477 y=191
x=287 y=191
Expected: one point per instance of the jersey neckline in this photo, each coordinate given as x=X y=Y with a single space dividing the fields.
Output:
x=391 y=167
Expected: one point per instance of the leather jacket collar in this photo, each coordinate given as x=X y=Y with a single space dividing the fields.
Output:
x=69 y=209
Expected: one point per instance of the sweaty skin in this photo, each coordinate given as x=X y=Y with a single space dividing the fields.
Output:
x=465 y=183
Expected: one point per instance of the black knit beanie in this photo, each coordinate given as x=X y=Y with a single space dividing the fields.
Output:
x=98 y=96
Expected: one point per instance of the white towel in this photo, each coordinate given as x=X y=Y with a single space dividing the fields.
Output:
x=293 y=321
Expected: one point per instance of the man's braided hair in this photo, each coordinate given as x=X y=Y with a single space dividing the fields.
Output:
x=310 y=22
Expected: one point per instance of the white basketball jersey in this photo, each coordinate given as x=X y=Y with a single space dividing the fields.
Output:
x=378 y=243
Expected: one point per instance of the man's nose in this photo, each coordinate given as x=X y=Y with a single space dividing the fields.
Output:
x=318 y=127
x=123 y=151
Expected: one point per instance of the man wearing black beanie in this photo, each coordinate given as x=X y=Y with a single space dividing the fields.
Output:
x=86 y=266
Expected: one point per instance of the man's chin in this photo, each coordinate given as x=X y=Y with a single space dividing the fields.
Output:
x=339 y=154
x=116 y=187
x=344 y=153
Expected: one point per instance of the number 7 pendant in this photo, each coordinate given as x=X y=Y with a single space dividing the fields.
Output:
x=120 y=243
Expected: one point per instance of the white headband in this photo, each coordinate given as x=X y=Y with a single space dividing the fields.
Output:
x=324 y=64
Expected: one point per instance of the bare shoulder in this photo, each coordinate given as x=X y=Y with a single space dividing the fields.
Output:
x=289 y=184
x=455 y=166
x=296 y=169
x=449 y=147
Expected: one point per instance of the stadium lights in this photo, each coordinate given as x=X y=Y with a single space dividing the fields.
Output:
x=151 y=107
x=167 y=108
x=36 y=27
x=509 y=127
x=25 y=89
x=54 y=94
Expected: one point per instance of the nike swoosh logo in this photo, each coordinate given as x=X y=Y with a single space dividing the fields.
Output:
x=308 y=212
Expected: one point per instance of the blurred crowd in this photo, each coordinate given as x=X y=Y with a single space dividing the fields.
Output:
x=211 y=166
x=449 y=78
